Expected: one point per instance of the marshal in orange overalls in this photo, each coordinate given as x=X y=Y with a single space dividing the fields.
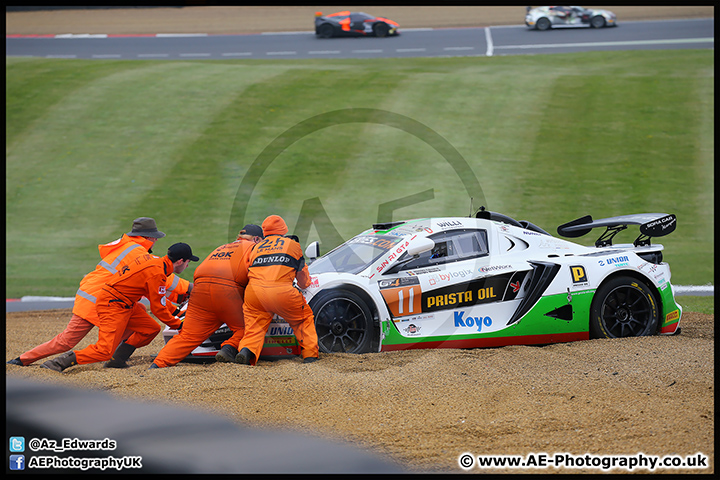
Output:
x=217 y=298
x=274 y=265
x=114 y=255
x=117 y=309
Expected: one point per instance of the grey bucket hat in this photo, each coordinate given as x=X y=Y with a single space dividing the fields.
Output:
x=145 y=227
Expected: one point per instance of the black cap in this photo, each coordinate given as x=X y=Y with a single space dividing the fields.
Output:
x=252 y=230
x=180 y=251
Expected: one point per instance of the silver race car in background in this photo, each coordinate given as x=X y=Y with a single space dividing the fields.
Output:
x=544 y=18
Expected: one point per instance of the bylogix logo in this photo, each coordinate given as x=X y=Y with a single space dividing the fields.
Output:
x=312 y=211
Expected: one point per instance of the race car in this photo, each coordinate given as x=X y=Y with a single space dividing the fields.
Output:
x=482 y=281
x=353 y=24
x=544 y=18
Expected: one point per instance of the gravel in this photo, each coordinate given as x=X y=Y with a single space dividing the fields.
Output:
x=424 y=408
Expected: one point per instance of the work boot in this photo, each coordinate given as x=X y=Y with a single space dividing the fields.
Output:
x=15 y=361
x=226 y=354
x=152 y=365
x=119 y=358
x=245 y=357
x=62 y=362
x=310 y=359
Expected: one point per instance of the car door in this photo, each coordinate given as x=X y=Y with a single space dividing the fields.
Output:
x=456 y=288
x=357 y=23
x=561 y=15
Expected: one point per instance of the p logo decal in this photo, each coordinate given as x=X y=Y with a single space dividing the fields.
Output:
x=578 y=274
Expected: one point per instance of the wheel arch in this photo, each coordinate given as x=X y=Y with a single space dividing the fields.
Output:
x=657 y=297
x=365 y=297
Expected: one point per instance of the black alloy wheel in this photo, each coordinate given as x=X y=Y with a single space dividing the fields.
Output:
x=343 y=322
x=623 y=307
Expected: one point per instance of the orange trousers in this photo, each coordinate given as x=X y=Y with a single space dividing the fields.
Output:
x=262 y=300
x=114 y=320
x=76 y=329
x=211 y=304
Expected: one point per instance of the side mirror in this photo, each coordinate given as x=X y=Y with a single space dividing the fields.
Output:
x=421 y=246
x=312 y=251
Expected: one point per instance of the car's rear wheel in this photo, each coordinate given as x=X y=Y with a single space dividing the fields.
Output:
x=623 y=307
x=542 y=24
x=343 y=322
x=597 y=21
x=381 y=29
x=325 y=30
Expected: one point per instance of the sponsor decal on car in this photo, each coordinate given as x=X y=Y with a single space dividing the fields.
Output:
x=412 y=329
x=579 y=276
x=448 y=276
x=493 y=268
x=422 y=271
x=477 y=323
x=622 y=261
x=674 y=315
x=417 y=318
x=449 y=224
x=395 y=253
x=465 y=294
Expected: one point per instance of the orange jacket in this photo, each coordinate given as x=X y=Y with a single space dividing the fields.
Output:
x=278 y=259
x=146 y=276
x=114 y=255
x=227 y=264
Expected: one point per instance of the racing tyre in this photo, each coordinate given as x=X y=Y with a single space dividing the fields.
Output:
x=543 y=24
x=381 y=30
x=343 y=322
x=623 y=307
x=597 y=21
x=325 y=30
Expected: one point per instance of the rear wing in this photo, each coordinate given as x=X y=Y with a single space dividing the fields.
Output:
x=651 y=225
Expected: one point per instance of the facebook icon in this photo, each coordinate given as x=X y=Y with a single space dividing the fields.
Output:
x=17 y=462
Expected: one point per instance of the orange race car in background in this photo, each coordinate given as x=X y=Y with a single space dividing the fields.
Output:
x=353 y=24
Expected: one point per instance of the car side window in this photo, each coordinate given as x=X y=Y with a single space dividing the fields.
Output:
x=471 y=245
x=450 y=246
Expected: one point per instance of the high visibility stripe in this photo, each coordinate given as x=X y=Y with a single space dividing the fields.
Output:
x=174 y=285
x=112 y=267
x=86 y=296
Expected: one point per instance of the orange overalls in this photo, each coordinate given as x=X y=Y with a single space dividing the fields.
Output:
x=117 y=307
x=114 y=255
x=274 y=264
x=217 y=298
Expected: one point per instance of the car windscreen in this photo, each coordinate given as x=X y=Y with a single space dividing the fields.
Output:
x=355 y=255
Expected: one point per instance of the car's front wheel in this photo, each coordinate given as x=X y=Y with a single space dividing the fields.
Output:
x=381 y=30
x=623 y=307
x=343 y=322
x=542 y=24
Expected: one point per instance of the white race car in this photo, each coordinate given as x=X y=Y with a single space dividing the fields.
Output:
x=482 y=281
x=544 y=18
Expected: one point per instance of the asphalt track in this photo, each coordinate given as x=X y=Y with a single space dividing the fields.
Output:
x=442 y=42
